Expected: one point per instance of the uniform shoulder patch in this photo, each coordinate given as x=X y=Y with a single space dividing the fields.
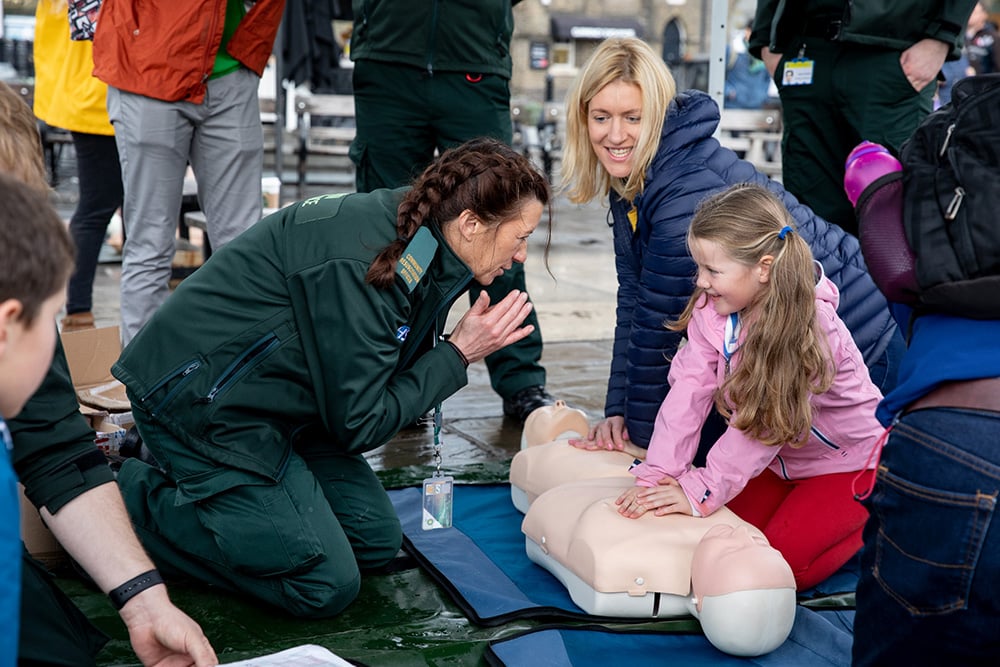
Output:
x=417 y=256
x=319 y=207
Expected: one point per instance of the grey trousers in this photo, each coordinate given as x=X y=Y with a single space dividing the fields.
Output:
x=224 y=143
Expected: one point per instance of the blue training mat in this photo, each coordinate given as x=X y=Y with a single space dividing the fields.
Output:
x=818 y=639
x=482 y=563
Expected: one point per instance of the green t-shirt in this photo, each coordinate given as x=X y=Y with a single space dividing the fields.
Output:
x=225 y=63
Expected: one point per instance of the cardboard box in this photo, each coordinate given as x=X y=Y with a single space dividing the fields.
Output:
x=39 y=540
x=109 y=438
x=90 y=353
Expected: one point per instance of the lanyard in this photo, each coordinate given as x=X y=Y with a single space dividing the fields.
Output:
x=438 y=419
x=731 y=341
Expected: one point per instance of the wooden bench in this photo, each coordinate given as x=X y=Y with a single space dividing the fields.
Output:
x=54 y=139
x=326 y=127
x=754 y=135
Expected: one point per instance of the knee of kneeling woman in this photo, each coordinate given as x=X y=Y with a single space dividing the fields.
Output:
x=321 y=597
x=380 y=545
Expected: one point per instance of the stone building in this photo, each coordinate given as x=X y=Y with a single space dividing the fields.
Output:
x=552 y=38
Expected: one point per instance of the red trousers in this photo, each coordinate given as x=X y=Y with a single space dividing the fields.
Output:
x=815 y=523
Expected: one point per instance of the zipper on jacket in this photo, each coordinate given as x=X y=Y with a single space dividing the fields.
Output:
x=784 y=470
x=241 y=365
x=420 y=335
x=206 y=67
x=180 y=372
x=431 y=37
x=825 y=440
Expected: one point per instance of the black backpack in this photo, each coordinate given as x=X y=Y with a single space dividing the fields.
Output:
x=951 y=202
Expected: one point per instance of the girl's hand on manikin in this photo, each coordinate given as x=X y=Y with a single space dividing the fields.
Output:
x=666 y=498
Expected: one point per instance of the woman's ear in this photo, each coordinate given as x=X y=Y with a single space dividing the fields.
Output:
x=764 y=268
x=468 y=224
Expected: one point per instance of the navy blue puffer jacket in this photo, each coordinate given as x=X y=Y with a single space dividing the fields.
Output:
x=656 y=274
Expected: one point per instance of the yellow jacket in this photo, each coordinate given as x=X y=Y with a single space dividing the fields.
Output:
x=67 y=94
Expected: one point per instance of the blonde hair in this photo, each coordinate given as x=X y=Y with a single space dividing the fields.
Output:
x=785 y=357
x=632 y=61
x=20 y=144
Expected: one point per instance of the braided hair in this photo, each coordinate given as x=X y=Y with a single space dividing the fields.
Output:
x=485 y=176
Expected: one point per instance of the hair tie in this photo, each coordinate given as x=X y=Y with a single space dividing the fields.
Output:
x=784 y=230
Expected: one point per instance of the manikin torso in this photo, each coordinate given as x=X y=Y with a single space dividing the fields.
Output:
x=718 y=568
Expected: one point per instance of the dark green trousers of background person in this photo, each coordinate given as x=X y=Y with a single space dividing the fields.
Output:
x=857 y=93
x=403 y=115
x=53 y=630
x=298 y=542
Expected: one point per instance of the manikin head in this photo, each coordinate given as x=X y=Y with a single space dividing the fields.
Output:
x=744 y=591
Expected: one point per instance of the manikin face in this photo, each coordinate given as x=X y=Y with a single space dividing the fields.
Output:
x=737 y=558
x=27 y=352
x=494 y=250
x=614 y=117
x=731 y=286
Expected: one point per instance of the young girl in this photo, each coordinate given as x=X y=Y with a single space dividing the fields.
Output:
x=766 y=346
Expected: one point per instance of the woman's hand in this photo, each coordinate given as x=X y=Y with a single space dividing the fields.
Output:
x=609 y=433
x=922 y=62
x=667 y=498
x=770 y=59
x=485 y=328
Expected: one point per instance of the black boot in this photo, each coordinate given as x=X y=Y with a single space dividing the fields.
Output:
x=525 y=401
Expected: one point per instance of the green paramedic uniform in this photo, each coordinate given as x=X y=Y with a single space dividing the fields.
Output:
x=261 y=382
x=429 y=76
x=852 y=87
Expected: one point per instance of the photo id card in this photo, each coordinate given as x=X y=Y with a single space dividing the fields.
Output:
x=438 y=502
x=798 y=72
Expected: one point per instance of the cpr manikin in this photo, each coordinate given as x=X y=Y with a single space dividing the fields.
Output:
x=719 y=568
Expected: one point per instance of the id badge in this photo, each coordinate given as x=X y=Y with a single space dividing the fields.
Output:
x=438 y=502
x=797 y=72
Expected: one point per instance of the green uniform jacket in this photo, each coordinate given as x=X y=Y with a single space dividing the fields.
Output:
x=893 y=25
x=437 y=35
x=54 y=452
x=278 y=336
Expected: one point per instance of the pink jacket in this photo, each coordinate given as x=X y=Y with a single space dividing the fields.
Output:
x=844 y=428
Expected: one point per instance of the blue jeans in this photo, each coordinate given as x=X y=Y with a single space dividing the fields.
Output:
x=928 y=593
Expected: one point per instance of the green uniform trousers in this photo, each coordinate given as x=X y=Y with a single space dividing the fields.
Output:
x=857 y=93
x=403 y=115
x=53 y=630
x=298 y=542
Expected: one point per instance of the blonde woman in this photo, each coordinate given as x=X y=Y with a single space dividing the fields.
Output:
x=766 y=347
x=632 y=138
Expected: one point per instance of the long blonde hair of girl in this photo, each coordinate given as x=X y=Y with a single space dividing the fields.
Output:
x=785 y=357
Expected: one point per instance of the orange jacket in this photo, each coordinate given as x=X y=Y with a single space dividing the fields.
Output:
x=166 y=50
